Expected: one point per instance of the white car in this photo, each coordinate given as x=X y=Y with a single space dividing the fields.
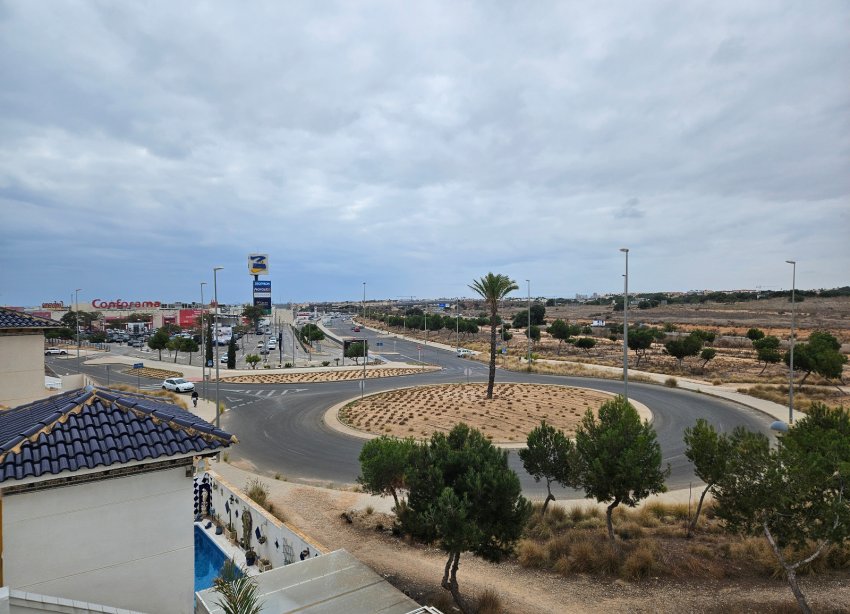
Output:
x=461 y=352
x=178 y=384
x=50 y=351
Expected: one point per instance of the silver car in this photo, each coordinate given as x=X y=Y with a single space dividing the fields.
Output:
x=178 y=384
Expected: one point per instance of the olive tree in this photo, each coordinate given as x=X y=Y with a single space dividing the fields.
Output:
x=619 y=458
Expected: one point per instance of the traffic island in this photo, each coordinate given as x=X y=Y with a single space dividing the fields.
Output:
x=506 y=419
x=329 y=375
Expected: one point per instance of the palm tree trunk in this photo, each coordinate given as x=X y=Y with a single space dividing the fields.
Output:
x=491 y=379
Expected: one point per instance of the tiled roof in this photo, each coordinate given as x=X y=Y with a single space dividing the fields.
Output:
x=9 y=318
x=98 y=427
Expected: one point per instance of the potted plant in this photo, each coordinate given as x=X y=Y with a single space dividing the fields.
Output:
x=264 y=565
x=250 y=556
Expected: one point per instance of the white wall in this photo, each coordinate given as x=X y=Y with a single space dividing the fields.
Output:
x=126 y=542
x=21 y=368
x=290 y=542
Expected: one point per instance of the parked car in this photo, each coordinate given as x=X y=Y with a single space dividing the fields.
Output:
x=178 y=384
x=50 y=351
x=223 y=359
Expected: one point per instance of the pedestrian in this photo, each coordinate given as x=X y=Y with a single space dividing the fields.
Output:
x=194 y=398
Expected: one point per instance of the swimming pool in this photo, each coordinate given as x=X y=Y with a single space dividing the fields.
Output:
x=208 y=560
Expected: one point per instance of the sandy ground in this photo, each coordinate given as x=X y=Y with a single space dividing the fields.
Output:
x=514 y=410
x=418 y=569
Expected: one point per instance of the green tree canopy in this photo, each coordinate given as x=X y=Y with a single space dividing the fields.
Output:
x=585 y=343
x=538 y=315
x=794 y=494
x=493 y=288
x=640 y=340
x=253 y=314
x=709 y=452
x=356 y=351
x=706 y=355
x=562 y=331
x=252 y=359
x=767 y=350
x=754 y=334
x=683 y=347
x=463 y=495
x=821 y=355
x=619 y=458
x=551 y=456
x=158 y=341
x=383 y=465
x=231 y=353
x=534 y=332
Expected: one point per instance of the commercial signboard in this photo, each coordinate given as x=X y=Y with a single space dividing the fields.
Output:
x=262 y=289
x=187 y=318
x=223 y=335
x=265 y=303
x=258 y=264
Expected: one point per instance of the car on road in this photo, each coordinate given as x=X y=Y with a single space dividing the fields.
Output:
x=356 y=329
x=464 y=352
x=178 y=384
x=260 y=343
x=51 y=351
x=223 y=359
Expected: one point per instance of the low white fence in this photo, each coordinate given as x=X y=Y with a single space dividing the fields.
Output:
x=271 y=539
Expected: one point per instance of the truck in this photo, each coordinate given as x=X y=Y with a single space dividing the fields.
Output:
x=137 y=328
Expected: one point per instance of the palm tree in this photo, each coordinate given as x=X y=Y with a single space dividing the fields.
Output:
x=493 y=288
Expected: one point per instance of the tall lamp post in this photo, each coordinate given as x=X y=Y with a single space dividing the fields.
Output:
x=204 y=315
x=215 y=343
x=528 y=358
x=793 y=264
x=625 y=250
x=457 y=324
x=363 y=385
x=77 y=318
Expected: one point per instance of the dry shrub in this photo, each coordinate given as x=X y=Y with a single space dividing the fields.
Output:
x=488 y=601
x=590 y=523
x=257 y=490
x=630 y=530
x=671 y=382
x=560 y=546
x=440 y=599
x=641 y=562
x=589 y=555
x=531 y=554
x=754 y=553
x=557 y=514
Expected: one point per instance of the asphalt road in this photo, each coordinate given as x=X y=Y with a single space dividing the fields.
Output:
x=281 y=430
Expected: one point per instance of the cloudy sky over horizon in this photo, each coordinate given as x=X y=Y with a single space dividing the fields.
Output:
x=418 y=145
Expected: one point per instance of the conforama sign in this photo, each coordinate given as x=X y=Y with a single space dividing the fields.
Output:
x=119 y=304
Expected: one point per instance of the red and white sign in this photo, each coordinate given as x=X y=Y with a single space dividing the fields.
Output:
x=188 y=318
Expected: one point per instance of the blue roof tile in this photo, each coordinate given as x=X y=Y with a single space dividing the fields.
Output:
x=101 y=428
x=10 y=319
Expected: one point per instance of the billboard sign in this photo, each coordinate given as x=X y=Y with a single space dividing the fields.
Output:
x=262 y=289
x=264 y=303
x=223 y=335
x=258 y=264
x=188 y=318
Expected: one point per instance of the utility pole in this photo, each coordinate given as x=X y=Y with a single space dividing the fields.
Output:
x=625 y=250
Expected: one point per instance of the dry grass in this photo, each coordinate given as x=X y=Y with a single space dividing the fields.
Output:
x=651 y=543
x=326 y=376
x=153 y=373
x=257 y=490
x=488 y=601
x=803 y=397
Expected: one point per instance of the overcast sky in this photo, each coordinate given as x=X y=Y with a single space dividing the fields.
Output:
x=418 y=145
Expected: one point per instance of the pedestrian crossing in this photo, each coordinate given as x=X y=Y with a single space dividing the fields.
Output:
x=264 y=394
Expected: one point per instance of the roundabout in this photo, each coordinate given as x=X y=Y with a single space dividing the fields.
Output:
x=506 y=419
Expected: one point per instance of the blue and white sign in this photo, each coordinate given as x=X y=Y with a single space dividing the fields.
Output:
x=442 y=305
x=258 y=264
x=262 y=289
x=138 y=365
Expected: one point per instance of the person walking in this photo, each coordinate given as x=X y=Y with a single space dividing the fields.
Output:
x=194 y=398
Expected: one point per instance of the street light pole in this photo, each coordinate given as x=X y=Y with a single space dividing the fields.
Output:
x=77 y=319
x=204 y=315
x=625 y=250
x=363 y=386
x=215 y=343
x=528 y=358
x=457 y=324
x=793 y=264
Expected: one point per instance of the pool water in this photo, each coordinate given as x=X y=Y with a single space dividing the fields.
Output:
x=208 y=559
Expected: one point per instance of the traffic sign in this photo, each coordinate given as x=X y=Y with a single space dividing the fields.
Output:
x=379 y=343
x=210 y=362
x=504 y=350
x=418 y=347
x=138 y=365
